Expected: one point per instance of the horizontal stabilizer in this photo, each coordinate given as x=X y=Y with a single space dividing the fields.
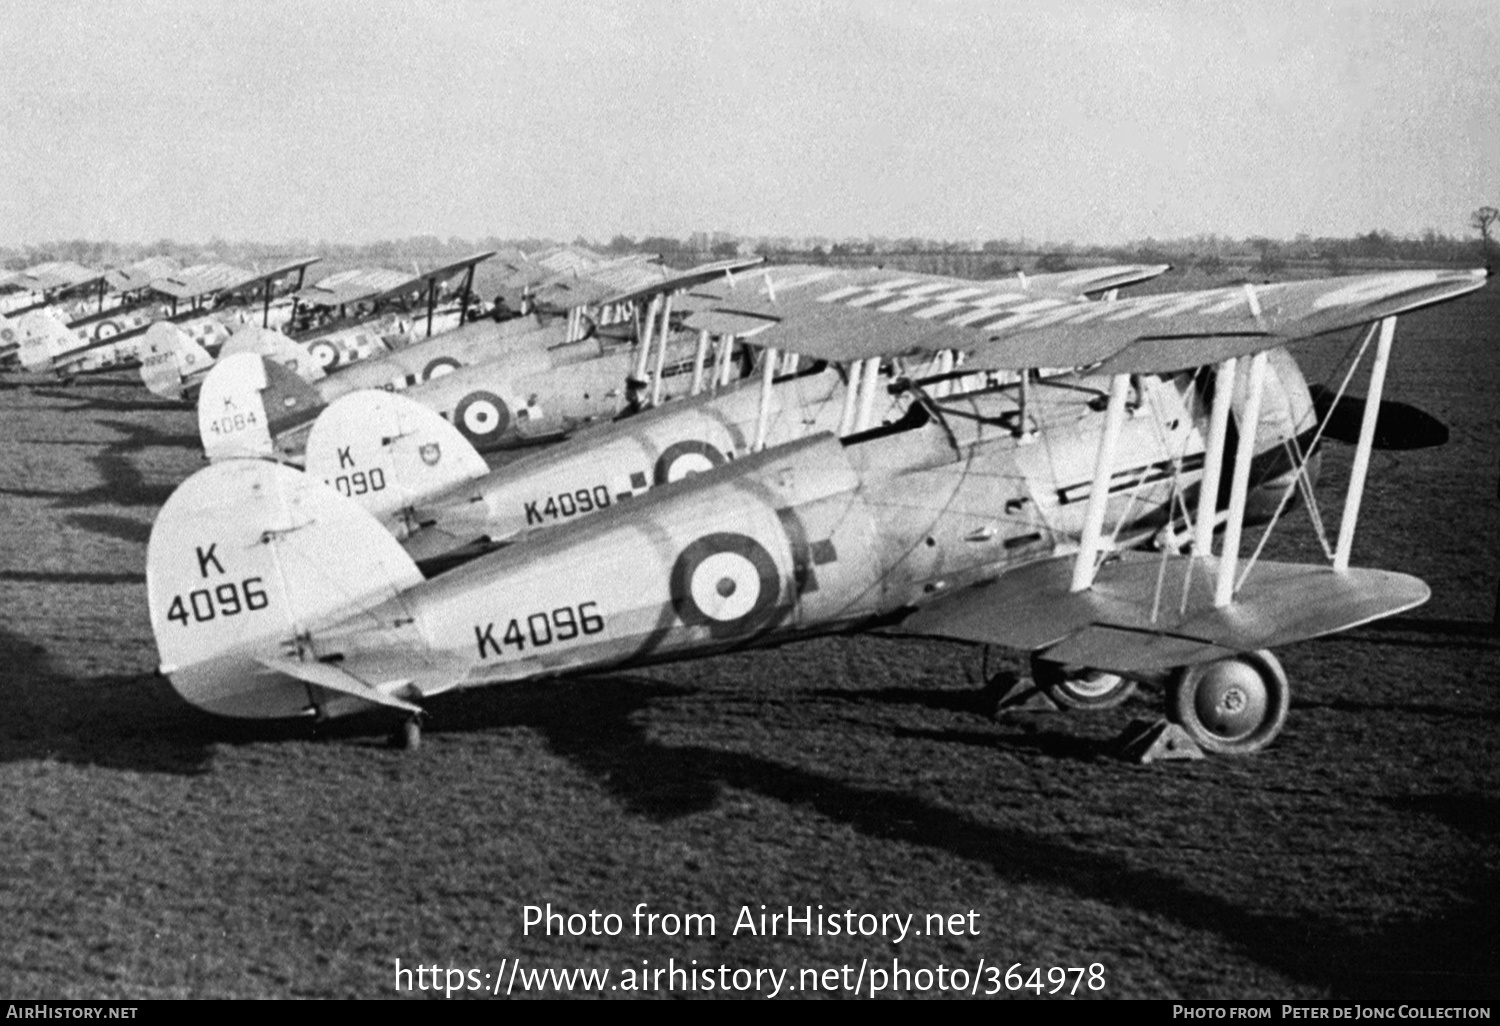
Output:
x=1110 y=626
x=326 y=675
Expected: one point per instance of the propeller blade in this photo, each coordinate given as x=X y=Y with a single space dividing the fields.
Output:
x=1400 y=426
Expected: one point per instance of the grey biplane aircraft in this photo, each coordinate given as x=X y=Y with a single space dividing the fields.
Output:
x=378 y=448
x=1020 y=514
x=45 y=284
x=500 y=382
x=339 y=321
x=346 y=317
x=91 y=304
x=200 y=302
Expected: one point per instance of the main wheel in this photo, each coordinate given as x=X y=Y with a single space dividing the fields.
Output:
x=1233 y=706
x=1073 y=687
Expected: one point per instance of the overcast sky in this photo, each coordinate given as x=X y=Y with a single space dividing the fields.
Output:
x=1055 y=120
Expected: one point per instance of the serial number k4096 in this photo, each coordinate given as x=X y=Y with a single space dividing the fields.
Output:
x=539 y=629
x=228 y=599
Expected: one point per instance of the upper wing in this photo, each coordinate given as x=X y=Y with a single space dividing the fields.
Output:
x=356 y=286
x=816 y=316
x=449 y=270
x=902 y=307
x=55 y=274
x=141 y=273
x=629 y=282
x=206 y=279
x=693 y=276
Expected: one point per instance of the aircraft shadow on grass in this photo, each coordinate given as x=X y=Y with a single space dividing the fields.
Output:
x=594 y=724
x=136 y=723
x=86 y=402
x=121 y=481
x=70 y=577
x=130 y=722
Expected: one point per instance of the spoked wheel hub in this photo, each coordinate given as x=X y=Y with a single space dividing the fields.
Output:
x=1232 y=706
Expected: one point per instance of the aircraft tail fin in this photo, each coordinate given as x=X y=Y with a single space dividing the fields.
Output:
x=44 y=338
x=252 y=338
x=246 y=560
x=388 y=453
x=169 y=357
x=249 y=406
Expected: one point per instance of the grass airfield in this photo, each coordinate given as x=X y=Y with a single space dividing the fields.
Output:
x=154 y=851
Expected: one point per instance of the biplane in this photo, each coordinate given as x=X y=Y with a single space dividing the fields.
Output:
x=91 y=304
x=52 y=282
x=339 y=321
x=200 y=301
x=369 y=445
x=499 y=382
x=1069 y=515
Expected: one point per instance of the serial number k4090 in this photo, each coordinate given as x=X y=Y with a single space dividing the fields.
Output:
x=358 y=483
x=568 y=504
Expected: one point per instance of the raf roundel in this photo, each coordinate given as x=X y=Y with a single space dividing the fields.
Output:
x=437 y=368
x=326 y=353
x=481 y=417
x=727 y=583
x=684 y=458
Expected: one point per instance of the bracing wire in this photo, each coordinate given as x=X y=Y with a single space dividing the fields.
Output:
x=1286 y=492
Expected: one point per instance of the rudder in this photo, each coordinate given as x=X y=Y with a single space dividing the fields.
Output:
x=239 y=567
x=43 y=339
x=168 y=358
x=247 y=401
x=388 y=452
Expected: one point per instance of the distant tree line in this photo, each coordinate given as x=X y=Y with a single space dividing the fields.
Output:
x=1211 y=254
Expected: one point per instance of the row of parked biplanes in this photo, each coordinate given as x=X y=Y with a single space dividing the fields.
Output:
x=740 y=456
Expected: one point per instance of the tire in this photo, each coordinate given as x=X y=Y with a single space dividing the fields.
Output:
x=1232 y=706
x=1082 y=688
